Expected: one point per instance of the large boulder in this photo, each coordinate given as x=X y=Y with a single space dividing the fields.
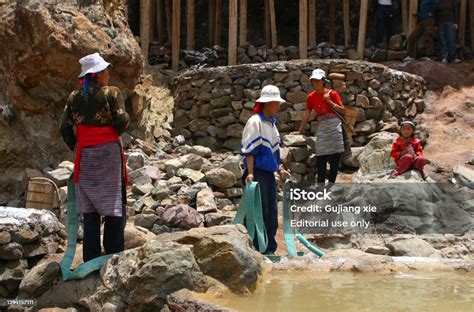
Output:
x=224 y=253
x=147 y=277
x=375 y=156
x=412 y=247
x=464 y=175
x=40 y=70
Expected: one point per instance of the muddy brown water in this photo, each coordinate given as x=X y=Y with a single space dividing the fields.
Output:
x=312 y=291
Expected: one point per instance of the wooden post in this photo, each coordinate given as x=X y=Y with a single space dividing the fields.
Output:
x=189 y=24
x=168 y=18
x=218 y=29
x=332 y=21
x=347 y=23
x=471 y=21
x=175 y=35
x=232 y=46
x=243 y=22
x=462 y=24
x=362 y=28
x=405 y=16
x=273 y=27
x=145 y=18
x=160 y=21
x=411 y=17
x=303 y=29
x=212 y=21
x=266 y=20
x=312 y=23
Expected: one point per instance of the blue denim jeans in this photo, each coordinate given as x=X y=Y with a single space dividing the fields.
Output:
x=447 y=41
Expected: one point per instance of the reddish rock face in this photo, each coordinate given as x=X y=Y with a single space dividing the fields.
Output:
x=437 y=74
x=41 y=46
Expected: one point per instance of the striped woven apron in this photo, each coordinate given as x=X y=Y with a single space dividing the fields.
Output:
x=100 y=180
x=329 y=135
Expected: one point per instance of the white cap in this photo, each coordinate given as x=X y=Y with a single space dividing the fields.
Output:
x=318 y=74
x=270 y=93
x=92 y=63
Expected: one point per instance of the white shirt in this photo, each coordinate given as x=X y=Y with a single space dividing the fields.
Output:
x=385 y=2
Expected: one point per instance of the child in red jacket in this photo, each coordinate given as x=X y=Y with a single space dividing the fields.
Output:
x=407 y=151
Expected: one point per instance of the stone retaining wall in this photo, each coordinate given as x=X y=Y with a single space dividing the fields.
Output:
x=212 y=105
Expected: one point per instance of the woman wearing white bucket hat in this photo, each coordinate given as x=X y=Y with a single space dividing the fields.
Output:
x=97 y=112
x=330 y=140
x=261 y=150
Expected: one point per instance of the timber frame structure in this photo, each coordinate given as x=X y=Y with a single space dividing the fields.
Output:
x=168 y=15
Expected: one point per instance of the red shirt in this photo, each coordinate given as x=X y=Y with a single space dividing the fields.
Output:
x=317 y=102
x=400 y=144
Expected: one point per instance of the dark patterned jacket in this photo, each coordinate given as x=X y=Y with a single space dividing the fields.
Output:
x=105 y=107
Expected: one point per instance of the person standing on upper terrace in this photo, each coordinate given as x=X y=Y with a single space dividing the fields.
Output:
x=447 y=15
x=384 y=22
x=425 y=28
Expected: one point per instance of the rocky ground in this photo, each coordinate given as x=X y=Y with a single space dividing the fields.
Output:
x=183 y=197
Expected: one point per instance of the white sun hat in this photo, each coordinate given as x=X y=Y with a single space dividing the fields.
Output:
x=270 y=93
x=318 y=74
x=92 y=63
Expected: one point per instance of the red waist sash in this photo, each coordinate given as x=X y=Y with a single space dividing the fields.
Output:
x=90 y=136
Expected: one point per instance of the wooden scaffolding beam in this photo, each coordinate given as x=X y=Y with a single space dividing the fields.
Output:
x=175 y=35
x=273 y=27
x=190 y=24
x=312 y=23
x=243 y=22
x=332 y=21
x=232 y=46
x=303 y=29
x=218 y=28
x=412 y=18
x=364 y=6
x=404 y=8
x=145 y=19
x=347 y=23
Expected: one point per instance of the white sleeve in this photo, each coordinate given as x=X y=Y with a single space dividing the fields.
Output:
x=251 y=137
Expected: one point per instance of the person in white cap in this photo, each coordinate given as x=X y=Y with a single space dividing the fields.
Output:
x=330 y=141
x=261 y=150
x=97 y=113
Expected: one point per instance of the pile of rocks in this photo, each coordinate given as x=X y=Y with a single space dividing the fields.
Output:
x=251 y=54
x=213 y=105
x=183 y=187
x=396 y=50
x=246 y=54
x=26 y=235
